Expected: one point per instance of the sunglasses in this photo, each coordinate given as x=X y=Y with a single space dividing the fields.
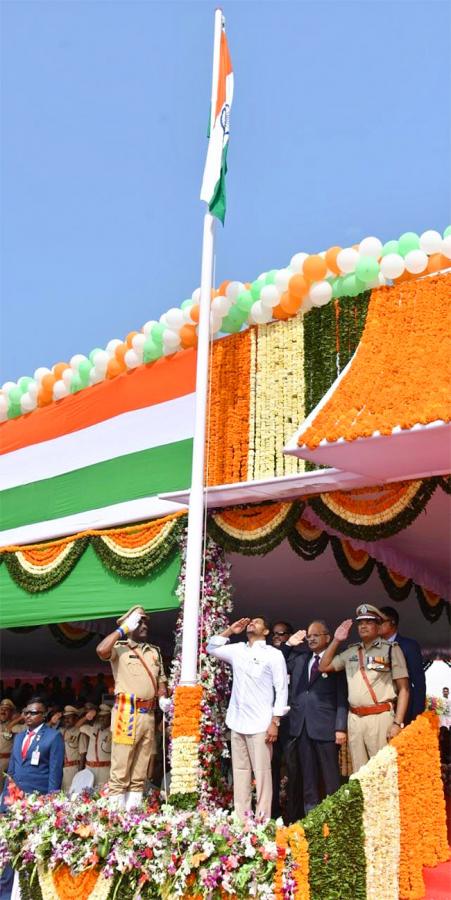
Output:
x=33 y=712
x=279 y=633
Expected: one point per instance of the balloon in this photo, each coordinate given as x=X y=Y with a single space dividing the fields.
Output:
x=431 y=242
x=91 y=356
x=76 y=360
x=390 y=247
x=392 y=266
x=256 y=288
x=233 y=321
x=244 y=302
x=147 y=327
x=111 y=346
x=39 y=373
x=129 y=338
x=33 y=389
x=157 y=333
x=337 y=288
x=260 y=314
x=195 y=296
x=175 y=318
x=171 y=340
x=120 y=352
x=221 y=305
x=6 y=387
x=320 y=293
x=314 y=268
x=371 y=246
x=351 y=286
x=290 y=304
x=436 y=262
x=47 y=382
x=407 y=242
x=279 y=313
x=271 y=276
x=14 y=395
x=347 y=260
x=24 y=383
x=446 y=246
x=138 y=342
x=297 y=261
x=307 y=305
x=96 y=377
x=3 y=406
x=282 y=279
x=223 y=287
x=58 y=368
x=131 y=359
x=188 y=336
x=27 y=403
x=215 y=323
x=331 y=259
x=262 y=277
x=67 y=377
x=100 y=358
x=187 y=313
x=416 y=261
x=367 y=269
x=194 y=313
x=234 y=288
x=113 y=369
x=14 y=410
x=269 y=296
x=298 y=287
x=151 y=350
x=76 y=384
x=59 y=390
x=84 y=371
x=447 y=231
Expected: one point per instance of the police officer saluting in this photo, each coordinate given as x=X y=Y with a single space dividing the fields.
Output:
x=378 y=684
x=139 y=680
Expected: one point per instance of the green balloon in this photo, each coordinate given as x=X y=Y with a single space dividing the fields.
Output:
x=151 y=351
x=367 y=269
x=390 y=247
x=243 y=302
x=232 y=322
x=157 y=332
x=256 y=287
x=76 y=384
x=186 y=304
x=14 y=396
x=407 y=242
x=351 y=286
x=14 y=410
x=271 y=276
x=24 y=383
x=84 y=371
x=93 y=353
x=447 y=231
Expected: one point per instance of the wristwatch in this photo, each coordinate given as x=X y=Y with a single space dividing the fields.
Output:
x=276 y=720
x=399 y=724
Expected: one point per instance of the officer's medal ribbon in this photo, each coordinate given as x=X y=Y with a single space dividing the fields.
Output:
x=125 y=721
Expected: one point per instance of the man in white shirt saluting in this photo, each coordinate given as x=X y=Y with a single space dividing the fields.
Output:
x=258 y=700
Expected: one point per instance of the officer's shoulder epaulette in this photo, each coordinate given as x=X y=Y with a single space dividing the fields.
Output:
x=389 y=643
x=355 y=644
x=122 y=642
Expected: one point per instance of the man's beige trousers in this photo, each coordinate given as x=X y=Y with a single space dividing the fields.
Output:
x=251 y=755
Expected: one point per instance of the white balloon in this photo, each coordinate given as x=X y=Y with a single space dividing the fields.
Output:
x=6 y=387
x=76 y=360
x=60 y=389
x=101 y=359
x=282 y=279
x=269 y=296
x=262 y=276
x=67 y=377
x=392 y=265
x=171 y=340
x=215 y=322
x=33 y=389
x=195 y=296
x=431 y=241
x=320 y=293
x=131 y=359
x=138 y=342
x=347 y=260
x=416 y=261
x=175 y=318
x=95 y=377
x=27 y=403
x=3 y=408
x=260 y=314
x=187 y=314
x=111 y=346
x=220 y=305
x=39 y=373
x=233 y=289
x=147 y=328
x=446 y=247
x=370 y=246
x=297 y=261
x=307 y=305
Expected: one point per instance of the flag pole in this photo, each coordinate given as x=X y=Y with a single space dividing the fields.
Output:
x=194 y=549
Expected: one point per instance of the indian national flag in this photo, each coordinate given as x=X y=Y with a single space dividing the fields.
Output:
x=213 y=184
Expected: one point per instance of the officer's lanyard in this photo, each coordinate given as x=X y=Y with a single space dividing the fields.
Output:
x=365 y=677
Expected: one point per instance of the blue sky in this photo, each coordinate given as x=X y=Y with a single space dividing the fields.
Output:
x=340 y=129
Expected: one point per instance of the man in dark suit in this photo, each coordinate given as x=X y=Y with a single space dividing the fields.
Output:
x=388 y=630
x=318 y=712
x=36 y=765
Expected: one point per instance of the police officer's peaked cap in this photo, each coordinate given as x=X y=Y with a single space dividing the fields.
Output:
x=7 y=703
x=367 y=611
x=70 y=711
x=139 y=609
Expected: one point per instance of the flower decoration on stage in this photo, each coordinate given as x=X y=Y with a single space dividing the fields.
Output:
x=199 y=745
x=310 y=280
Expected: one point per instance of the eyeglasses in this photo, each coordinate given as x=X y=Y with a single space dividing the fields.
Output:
x=33 y=712
x=279 y=633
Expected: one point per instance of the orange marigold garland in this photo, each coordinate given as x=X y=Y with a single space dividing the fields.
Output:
x=228 y=409
x=185 y=745
x=292 y=864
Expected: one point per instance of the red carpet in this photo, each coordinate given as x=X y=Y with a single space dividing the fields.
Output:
x=438 y=882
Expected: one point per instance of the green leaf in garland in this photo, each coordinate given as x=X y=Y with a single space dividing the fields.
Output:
x=307 y=549
x=35 y=583
x=139 y=566
x=353 y=575
x=258 y=546
x=431 y=613
x=395 y=591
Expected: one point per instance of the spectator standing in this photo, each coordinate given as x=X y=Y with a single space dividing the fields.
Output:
x=258 y=700
x=378 y=682
x=388 y=629
x=280 y=633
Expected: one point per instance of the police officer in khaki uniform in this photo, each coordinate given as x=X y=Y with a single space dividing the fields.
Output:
x=95 y=746
x=378 y=684
x=9 y=717
x=71 y=736
x=139 y=680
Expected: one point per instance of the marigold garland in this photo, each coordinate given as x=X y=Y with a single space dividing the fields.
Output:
x=254 y=530
x=397 y=586
x=306 y=540
x=355 y=565
x=229 y=409
x=35 y=580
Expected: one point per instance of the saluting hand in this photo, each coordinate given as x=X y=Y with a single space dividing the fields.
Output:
x=295 y=639
x=343 y=630
x=238 y=626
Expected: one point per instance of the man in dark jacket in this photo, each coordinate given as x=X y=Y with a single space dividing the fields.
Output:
x=388 y=630
x=318 y=712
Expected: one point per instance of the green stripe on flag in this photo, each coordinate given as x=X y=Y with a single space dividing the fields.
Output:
x=142 y=474
x=218 y=203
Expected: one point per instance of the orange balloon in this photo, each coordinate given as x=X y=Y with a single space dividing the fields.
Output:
x=436 y=262
x=58 y=369
x=298 y=287
x=44 y=397
x=290 y=304
x=47 y=383
x=331 y=259
x=247 y=285
x=194 y=312
x=120 y=352
x=279 y=312
x=314 y=268
x=188 y=336
x=406 y=276
x=223 y=287
x=129 y=338
x=113 y=368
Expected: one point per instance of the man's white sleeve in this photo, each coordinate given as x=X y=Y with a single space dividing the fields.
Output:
x=280 y=679
x=219 y=646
